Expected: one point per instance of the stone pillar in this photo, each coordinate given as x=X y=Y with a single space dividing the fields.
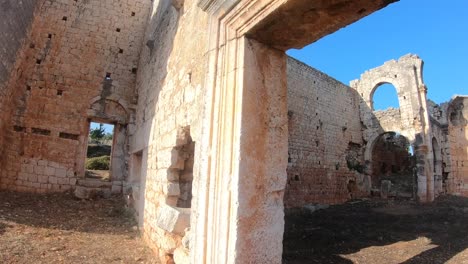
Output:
x=247 y=178
x=425 y=151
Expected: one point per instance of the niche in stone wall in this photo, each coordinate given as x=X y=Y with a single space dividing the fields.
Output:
x=181 y=172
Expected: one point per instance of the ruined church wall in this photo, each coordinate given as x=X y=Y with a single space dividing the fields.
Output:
x=324 y=138
x=16 y=20
x=170 y=105
x=71 y=48
x=458 y=141
x=442 y=165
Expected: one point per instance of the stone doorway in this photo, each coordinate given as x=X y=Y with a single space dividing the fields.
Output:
x=99 y=151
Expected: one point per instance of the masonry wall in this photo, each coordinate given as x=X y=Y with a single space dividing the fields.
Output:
x=442 y=165
x=325 y=139
x=16 y=19
x=72 y=47
x=169 y=110
x=458 y=140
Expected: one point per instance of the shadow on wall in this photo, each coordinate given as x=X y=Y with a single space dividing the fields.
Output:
x=152 y=71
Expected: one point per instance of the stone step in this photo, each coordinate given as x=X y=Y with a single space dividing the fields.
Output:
x=94 y=183
x=82 y=192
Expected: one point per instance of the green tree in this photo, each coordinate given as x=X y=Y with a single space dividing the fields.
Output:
x=97 y=133
x=107 y=136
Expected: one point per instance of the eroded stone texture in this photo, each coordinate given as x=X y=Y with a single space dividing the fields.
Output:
x=16 y=19
x=79 y=63
x=168 y=114
x=458 y=140
x=200 y=105
x=410 y=120
x=302 y=22
x=325 y=139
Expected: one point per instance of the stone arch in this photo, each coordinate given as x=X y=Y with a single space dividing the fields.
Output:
x=376 y=87
x=370 y=145
x=108 y=110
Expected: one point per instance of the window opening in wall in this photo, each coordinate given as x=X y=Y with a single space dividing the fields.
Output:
x=384 y=97
x=99 y=150
x=393 y=163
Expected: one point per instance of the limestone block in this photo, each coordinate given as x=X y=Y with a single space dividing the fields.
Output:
x=39 y=169
x=43 y=179
x=61 y=172
x=170 y=159
x=81 y=192
x=172 y=219
x=52 y=180
x=50 y=171
x=168 y=174
x=181 y=256
x=171 y=189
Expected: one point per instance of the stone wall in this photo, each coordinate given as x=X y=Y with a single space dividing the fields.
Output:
x=169 y=112
x=458 y=142
x=325 y=139
x=16 y=20
x=79 y=64
x=405 y=74
x=441 y=149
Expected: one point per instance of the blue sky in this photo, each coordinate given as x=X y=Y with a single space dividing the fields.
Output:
x=108 y=128
x=435 y=30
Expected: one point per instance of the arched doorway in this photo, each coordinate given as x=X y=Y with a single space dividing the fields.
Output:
x=393 y=166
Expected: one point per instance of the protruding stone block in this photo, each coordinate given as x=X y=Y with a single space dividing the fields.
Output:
x=173 y=220
x=171 y=189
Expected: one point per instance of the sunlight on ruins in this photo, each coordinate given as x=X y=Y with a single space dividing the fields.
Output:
x=185 y=124
x=401 y=251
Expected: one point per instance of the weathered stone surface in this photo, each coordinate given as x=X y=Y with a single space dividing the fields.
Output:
x=167 y=74
x=173 y=220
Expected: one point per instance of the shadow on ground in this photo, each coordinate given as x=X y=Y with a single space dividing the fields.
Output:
x=65 y=212
x=377 y=231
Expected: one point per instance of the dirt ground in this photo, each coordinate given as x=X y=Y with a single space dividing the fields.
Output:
x=379 y=231
x=60 y=229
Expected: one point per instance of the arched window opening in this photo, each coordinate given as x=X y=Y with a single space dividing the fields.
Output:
x=384 y=97
x=393 y=166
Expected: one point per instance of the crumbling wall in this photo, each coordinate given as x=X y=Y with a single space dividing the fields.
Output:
x=441 y=150
x=169 y=116
x=16 y=19
x=458 y=140
x=405 y=74
x=79 y=63
x=325 y=139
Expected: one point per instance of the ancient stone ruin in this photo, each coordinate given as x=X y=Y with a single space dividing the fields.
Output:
x=216 y=129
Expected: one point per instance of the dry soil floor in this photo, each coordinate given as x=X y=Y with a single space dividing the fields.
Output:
x=61 y=229
x=379 y=232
